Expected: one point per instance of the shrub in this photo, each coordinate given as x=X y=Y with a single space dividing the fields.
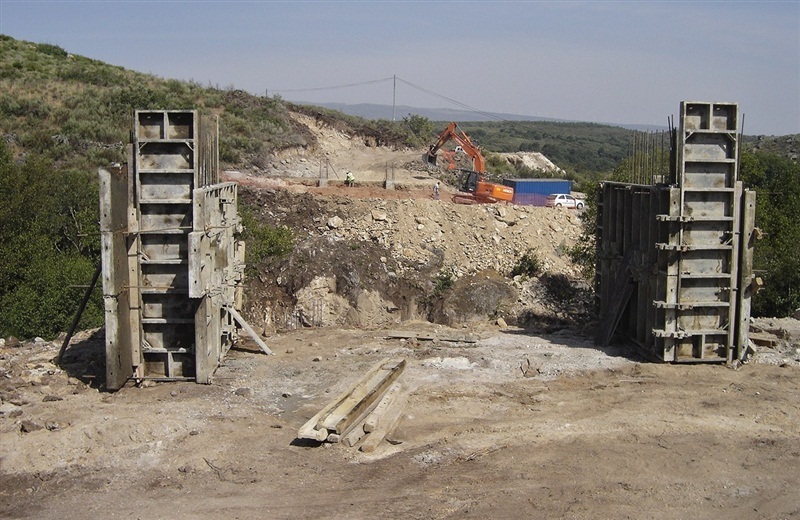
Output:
x=529 y=264
x=558 y=288
x=264 y=241
x=443 y=281
x=49 y=244
x=52 y=50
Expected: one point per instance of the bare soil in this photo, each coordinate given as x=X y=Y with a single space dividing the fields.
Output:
x=531 y=421
x=514 y=426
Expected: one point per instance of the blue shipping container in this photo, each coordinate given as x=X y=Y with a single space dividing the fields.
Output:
x=534 y=192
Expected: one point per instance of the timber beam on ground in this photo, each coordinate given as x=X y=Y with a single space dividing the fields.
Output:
x=431 y=336
x=349 y=410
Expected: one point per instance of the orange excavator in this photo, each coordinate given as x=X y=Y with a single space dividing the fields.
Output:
x=475 y=189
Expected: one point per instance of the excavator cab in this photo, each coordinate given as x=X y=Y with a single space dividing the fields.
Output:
x=468 y=181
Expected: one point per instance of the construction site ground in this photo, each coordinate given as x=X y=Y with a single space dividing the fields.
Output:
x=513 y=426
x=532 y=420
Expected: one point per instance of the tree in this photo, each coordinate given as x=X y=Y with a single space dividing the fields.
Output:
x=49 y=245
x=420 y=127
x=776 y=181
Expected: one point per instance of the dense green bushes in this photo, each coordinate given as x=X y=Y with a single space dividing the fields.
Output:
x=49 y=247
x=776 y=181
x=264 y=241
x=584 y=150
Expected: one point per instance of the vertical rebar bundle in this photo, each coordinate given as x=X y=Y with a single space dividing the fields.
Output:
x=648 y=158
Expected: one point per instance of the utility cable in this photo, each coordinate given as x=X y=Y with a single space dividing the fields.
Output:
x=462 y=105
x=383 y=80
x=333 y=87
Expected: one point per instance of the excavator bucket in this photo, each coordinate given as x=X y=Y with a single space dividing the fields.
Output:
x=429 y=158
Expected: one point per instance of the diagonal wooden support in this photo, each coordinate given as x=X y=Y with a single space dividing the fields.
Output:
x=250 y=332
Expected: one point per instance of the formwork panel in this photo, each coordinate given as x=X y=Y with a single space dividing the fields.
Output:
x=165 y=218
x=166 y=306
x=689 y=268
x=165 y=277
x=708 y=174
x=166 y=187
x=694 y=291
x=709 y=147
x=697 y=116
x=168 y=336
x=705 y=235
x=707 y=204
x=165 y=156
x=164 y=247
x=703 y=319
x=180 y=125
x=706 y=262
x=724 y=117
x=168 y=365
x=149 y=125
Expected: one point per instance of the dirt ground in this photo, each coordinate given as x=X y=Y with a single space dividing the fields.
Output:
x=513 y=426
x=527 y=422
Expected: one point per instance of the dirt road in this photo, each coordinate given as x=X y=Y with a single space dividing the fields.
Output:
x=583 y=433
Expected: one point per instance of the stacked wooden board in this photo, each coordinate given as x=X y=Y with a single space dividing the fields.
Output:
x=368 y=410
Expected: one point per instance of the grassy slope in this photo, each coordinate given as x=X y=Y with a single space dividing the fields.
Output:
x=77 y=111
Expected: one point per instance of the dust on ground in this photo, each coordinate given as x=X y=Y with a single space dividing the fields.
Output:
x=513 y=426
x=532 y=420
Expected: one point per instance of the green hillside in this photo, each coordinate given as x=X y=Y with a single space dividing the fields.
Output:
x=77 y=111
x=579 y=148
x=62 y=116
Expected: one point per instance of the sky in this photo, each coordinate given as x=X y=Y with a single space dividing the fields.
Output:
x=621 y=62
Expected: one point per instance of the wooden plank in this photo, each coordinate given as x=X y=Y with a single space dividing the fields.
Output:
x=763 y=339
x=310 y=429
x=372 y=420
x=427 y=336
x=249 y=330
x=385 y=426
x=356 y=405
x=356 y=434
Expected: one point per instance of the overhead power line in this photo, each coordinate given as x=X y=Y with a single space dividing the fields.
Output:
x=333 y=87
x=394 y=78
x=462 y=105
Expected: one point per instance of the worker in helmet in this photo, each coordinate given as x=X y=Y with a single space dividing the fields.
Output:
x=349 y=179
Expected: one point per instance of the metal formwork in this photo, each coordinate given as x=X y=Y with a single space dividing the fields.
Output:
x=172 y=264
x=675 y=261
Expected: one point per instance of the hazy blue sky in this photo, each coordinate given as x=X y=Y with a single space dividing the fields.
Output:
x=602 y=61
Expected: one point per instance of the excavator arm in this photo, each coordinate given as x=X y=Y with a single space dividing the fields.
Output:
x=478 y=191
x=453 y=132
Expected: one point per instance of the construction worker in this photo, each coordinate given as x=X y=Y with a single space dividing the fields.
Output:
x=436 y=191
x=349 y=179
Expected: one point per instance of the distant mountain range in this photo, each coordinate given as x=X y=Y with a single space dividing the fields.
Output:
x=373 y=111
